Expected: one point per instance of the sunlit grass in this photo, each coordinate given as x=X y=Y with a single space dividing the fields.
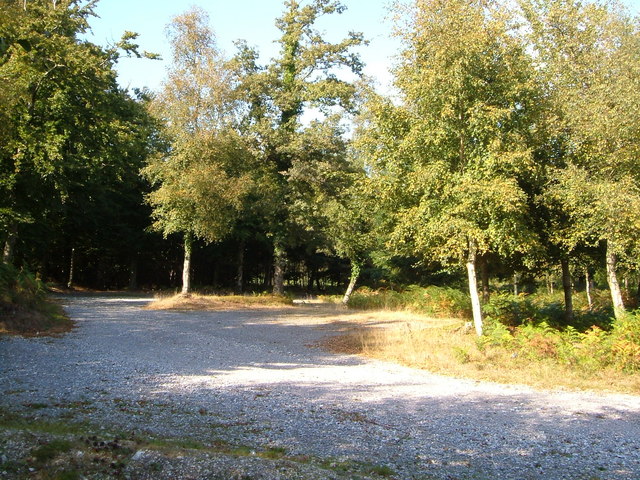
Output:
x=454 y=351
x=218 y=302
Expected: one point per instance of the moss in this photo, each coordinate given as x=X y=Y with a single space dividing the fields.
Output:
x=51 y=450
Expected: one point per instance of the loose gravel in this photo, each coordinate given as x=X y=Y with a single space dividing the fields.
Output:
x=257 y=378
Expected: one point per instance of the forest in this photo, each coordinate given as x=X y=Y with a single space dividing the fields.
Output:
x=507 y=159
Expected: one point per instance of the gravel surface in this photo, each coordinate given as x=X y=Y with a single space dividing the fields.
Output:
x=255 y=378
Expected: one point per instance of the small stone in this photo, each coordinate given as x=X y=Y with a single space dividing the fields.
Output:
x=138 y=455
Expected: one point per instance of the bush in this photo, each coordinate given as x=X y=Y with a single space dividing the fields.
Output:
x=20 y=287
x=514 y=311
x=510 y=310
x=591 y=350
x=24 y=306
x=432 y=300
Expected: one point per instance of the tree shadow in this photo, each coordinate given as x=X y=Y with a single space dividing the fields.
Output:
x=256 y=377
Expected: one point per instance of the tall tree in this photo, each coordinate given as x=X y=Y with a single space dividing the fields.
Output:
x=201 y=178
x=303 y=76
x=451 y=156
x=67 y=131
x=589 y=56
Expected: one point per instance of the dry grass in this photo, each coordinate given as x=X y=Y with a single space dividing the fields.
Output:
x=218 y=302
x=452 y=350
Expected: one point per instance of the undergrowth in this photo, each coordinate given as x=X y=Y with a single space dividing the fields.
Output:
x=527 y=339
x=434 y=301
x=25 y=307
x=591 y=350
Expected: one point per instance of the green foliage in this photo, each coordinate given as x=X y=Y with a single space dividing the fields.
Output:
x=455 y=158
x=593 y=349
x=514 y=311
x=299 y=163
x=51 y=450
x=432 y=300
x=20 y=287
x=25 y=307
x=200 y=180
x=587 y=58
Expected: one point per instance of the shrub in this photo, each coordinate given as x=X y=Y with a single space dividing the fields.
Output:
x=432 y=300
x=20 y=287
x=514 y=311
x=510 y=310
x=24 y=306
x=591 y=350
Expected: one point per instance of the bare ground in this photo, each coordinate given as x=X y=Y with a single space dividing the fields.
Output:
x=250 y=394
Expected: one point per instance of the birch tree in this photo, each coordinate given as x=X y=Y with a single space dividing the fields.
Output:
x=201 y=179
x=451 y=155
x=589 y=56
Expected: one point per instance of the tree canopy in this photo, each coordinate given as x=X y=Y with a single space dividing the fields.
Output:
x=509 y=146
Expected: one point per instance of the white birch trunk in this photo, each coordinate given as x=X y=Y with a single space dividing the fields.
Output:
x=278 y=269
x=614 y=286
x=587 y=280
x=355 y=273
x=186 y=268
x=71 y=268
x=473 y=288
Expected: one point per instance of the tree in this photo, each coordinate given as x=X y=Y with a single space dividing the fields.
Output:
x=201 y=178
x=303 y=76
x=68 y=134
x=332 y=203
x=450 y=158
x=589 y=57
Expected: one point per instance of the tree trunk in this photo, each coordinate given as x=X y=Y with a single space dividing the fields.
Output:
x=186 y=268
x=473 y=288
x=587 y=280
x=550 y=288
x=312 y=278
x=614 y=286
x=566 y=286
x=355 y=273
x=72 y=262
x=268 y=276
x=278 y=269
x=133 y=273
x=9 y=244
x=240 y=270
x=484 y=275
x=516 y=278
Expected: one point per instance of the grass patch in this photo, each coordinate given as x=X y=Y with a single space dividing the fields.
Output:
x=69 y=451
x=51 y=450
x=219 y=302
x=527 y=339
x=382 y=470
x=274 y=453
x=456 y=351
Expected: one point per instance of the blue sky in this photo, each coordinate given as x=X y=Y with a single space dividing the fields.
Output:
x=251 y=20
